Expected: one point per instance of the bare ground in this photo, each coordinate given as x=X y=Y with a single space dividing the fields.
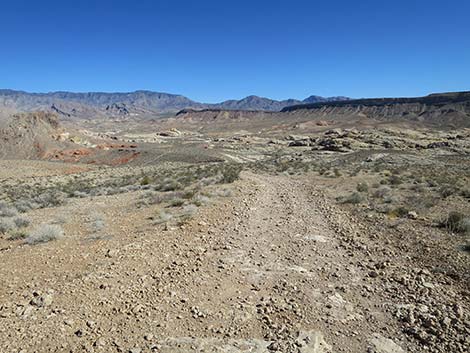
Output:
x=277 y=267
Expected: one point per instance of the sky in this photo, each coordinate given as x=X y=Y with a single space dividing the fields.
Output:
x=216 y=50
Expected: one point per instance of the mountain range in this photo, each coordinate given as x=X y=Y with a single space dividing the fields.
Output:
x=138 y=103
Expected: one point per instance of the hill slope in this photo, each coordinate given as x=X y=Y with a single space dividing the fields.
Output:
x=443 y=109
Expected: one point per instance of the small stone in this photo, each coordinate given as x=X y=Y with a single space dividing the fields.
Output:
x=412 y=215
x=100 y=342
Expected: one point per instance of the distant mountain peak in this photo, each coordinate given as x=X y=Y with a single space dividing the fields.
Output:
x=138 y=103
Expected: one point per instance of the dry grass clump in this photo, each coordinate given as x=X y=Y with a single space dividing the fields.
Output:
x=45 y=233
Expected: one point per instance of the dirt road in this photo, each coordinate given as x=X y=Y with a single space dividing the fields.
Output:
x=277 y=267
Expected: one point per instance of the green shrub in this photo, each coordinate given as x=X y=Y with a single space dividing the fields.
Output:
x=145 y=180
x=400 y=211
x=362 y=187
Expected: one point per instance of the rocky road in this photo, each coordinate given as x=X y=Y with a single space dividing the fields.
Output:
x=276 y=268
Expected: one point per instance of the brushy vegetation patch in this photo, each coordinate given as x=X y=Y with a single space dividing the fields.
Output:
x=157 y=179
x=6 y=225
x=353 y=198
x=45 y=233
x=18 y=235
x=163 y=217
x=456 y=222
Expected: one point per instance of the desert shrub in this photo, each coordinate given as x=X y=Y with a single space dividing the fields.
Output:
x=465 y=193
x=189 y=210
x=145 y=180
x=7 y=211
x=25 y=205
x=154 y=198
x=45 y=233
x=400 y=211
x=456 y=222
x=230 y=174
x=224 y=192
x=382 y=192
x=188 y=194
x=79 y=194
x=353 y=198
x=395 y=180
x=200 y=200
x=17 y=235
x=97 y=222
x=447 y=190
x=417 y=187
x=163 y=217
x=22 y=222
x=362 y=187
x=51 y=198
x=6 y=225
x=176 y=202
x=169 y=185
x=336 y=173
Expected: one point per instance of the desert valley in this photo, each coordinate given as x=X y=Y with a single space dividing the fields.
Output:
x=148 y=222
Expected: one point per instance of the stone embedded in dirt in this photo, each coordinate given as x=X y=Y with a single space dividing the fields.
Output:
x=41 y=300
x=380 y=344
x=412 y=215
x=316 y=237
x=312 y=342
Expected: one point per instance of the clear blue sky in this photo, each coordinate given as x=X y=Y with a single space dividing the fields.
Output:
x=215 y=50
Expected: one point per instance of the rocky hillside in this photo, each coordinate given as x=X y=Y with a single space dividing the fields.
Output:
x=29 y=135
x=444 y=109
x=133 y=104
